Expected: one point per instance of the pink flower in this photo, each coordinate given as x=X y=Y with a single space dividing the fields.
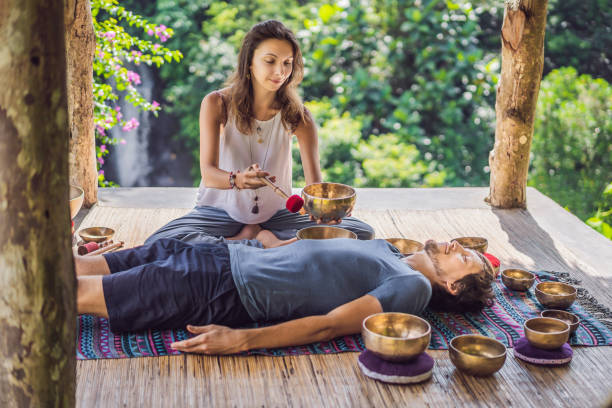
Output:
x=150 y=32
x=163 y=38
x=100 y=92
x=130 y=125
x=100 y=160
x=103 y=148
x=117 y=108
x=101 y=173
x=155 y=104
x=100 y=130
x=156 y=47
x=109 y=34
x=123 y=141
x=133 y=77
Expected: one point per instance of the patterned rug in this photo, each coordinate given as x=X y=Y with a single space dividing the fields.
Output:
x=503 y=321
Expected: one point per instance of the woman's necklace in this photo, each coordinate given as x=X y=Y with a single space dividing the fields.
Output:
x=260 y=139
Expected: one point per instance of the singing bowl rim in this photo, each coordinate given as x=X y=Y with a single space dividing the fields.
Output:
x=391 y=240
x=574 y=317
x=313 y=197
x=352 y=235
x=479 y=336
x=530 y=278
x=382 y=336
x=560 y=295
x=79 y=198
x=555 y=321
x=88 y=237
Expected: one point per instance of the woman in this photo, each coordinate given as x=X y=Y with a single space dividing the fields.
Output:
x=245 y=134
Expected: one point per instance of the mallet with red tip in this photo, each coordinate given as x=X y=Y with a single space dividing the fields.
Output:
x=294 y=204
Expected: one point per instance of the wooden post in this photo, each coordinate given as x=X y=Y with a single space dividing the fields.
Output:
x=517 y=94
x=80 y=47
x=37 y=281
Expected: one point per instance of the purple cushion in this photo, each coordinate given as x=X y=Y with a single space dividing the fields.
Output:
x=525 y=351
x=417 y=370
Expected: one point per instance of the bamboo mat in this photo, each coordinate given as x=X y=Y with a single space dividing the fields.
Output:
x=335 y=380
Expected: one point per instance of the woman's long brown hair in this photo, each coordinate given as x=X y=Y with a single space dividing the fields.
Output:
x=241 y=88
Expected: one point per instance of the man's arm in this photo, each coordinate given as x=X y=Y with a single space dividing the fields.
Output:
x=341 y=321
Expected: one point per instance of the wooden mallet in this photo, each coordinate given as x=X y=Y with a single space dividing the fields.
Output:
x=294 y=204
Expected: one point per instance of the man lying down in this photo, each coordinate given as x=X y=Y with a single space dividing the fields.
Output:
x=321 y=289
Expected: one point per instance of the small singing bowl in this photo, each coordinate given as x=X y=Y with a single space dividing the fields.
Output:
x=396 y=337
x=546 y=333
x=406 y=246
x=325 y=232
x=96 y=234
x=567 y=317
x=477 y=243
x=76 y=200
x=555 y=295
x=517 y=279
x=328 y=201
x=477 y=355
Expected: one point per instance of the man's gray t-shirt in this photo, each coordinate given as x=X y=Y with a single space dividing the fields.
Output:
x=313 y=277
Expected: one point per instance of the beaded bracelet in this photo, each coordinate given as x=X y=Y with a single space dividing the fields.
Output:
x=232 y=180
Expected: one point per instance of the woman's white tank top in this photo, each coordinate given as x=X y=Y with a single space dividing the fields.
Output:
x=237 y=151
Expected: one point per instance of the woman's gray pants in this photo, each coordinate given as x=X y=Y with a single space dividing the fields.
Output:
x=205 y=222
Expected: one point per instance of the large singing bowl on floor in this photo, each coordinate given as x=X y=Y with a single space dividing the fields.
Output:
x=328 y=201
x=396 y=336
x=76 y=200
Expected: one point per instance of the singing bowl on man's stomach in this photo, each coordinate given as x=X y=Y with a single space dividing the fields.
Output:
x=325 y=232
x=328 y=201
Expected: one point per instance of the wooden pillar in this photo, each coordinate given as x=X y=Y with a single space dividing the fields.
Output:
x=80 y=47
x=517 y=94
x=37 y=281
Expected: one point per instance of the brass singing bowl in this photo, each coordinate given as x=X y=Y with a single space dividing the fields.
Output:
x=396 y=337
x=477 y=355
x=96 y=234
x=555 y=295
x=328 y=201
x=477 y=243
x=325 y=232
x=76 y=200
x=571 y=319
x=517 y=279
x=406 y=246
x=546 y=333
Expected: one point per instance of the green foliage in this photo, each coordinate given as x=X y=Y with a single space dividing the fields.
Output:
x=572 y=144
x=602 y=219
x=116 y=47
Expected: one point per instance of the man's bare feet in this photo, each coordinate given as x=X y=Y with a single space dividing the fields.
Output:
x=269 y=240
x=249 y=231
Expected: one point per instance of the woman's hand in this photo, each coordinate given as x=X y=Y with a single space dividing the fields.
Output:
x=212 y=339
x=250 y=177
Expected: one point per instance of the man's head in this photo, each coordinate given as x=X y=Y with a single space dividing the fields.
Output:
x=460 y=278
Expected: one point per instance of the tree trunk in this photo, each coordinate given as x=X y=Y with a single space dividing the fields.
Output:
x=37 y=281
x=517 y=94
x=80 y=47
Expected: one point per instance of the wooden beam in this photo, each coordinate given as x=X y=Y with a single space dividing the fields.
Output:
x=37 y=281
x=517 y=94
x=80 y=47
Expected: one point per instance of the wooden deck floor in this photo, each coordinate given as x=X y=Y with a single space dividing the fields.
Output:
x=518 y=237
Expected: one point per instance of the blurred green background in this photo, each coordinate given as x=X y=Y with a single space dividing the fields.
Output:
x=403 y=92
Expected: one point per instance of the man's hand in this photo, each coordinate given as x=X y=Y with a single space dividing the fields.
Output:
x=212 y=339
